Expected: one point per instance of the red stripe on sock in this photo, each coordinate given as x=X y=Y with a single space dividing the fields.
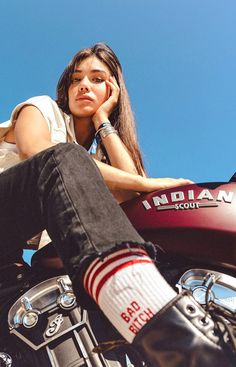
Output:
x=88 y=273
x=116 y=270
x=138 y=250
x=104 y=264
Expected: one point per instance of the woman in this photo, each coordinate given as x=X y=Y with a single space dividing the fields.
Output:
x=58 y=187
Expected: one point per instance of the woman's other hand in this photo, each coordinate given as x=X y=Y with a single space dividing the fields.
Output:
x=153 y=184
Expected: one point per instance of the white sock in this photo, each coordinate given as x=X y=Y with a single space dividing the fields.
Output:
x=128 y=288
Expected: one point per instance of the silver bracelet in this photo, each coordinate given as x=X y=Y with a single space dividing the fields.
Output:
x=107 y=131
x=101 y=127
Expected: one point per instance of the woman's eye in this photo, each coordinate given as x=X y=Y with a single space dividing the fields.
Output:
x=75 y=80
x=98 y=80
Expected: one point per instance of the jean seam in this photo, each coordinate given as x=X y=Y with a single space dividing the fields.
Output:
x=72 y=204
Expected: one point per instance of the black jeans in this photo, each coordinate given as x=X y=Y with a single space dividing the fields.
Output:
x=61 y=190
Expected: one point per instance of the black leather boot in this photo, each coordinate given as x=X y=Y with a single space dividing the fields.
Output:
x=182 y=334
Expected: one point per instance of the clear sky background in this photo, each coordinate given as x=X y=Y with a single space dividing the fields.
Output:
x=179 y=61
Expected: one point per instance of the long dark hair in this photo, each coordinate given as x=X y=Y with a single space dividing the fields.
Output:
x=122 y=117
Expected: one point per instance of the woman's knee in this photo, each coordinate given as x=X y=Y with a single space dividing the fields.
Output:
x=65 y=148
x=66 y=153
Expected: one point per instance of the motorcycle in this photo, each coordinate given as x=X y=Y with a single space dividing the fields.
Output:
x=42 y=323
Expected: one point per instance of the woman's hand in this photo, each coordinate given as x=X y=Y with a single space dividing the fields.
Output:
x=152 y=184
x=103 y=112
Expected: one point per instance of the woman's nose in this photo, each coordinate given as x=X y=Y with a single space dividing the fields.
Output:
x=84 y=86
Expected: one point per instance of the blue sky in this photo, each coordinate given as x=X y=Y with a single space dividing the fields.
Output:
x=178 y=57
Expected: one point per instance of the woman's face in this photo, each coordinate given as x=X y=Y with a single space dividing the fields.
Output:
x=88 y=89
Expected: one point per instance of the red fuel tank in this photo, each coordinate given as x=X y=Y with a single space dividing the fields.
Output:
x=197 y=220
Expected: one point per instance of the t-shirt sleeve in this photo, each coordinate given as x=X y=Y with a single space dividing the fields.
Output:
x=44 y=104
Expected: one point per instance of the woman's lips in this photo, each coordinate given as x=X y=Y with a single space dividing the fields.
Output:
x=84 y=98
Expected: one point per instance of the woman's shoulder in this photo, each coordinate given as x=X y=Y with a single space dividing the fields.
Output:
x=44 y=99
x=34 y=101
x=44 y=103
x=47 y=106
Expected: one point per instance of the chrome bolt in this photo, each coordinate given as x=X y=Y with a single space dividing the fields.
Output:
x=30 y=319
x=67 y=300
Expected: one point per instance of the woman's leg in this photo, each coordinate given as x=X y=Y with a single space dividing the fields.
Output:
x=62 y=190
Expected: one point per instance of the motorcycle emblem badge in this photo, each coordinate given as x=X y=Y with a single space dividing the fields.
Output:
x=54 y=326
x=180 y=200
x=5 y=359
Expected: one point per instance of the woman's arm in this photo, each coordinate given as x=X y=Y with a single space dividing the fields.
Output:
x=32 y=136
x=115 y=148
x=117 y=179
x=31 y=132
x=122 y=177
x=118 y=153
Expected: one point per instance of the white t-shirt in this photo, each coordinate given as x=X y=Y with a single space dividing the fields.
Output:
x=8 y=155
